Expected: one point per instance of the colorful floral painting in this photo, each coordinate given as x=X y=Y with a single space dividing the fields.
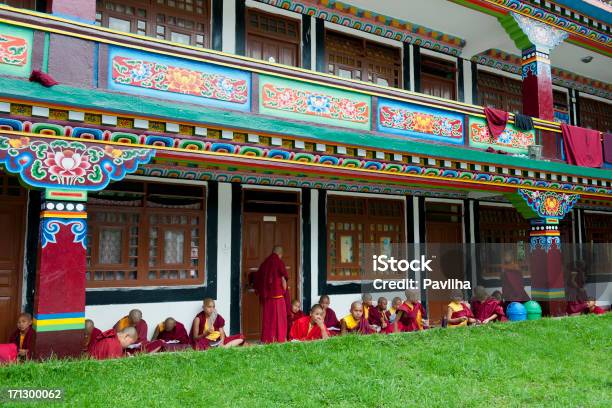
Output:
x=13 y=50
x=419 y=121
x=511 y=140
x=166 y=77
x=549 y=204
x=52 y=163
x=152 y=75
x=316 y=104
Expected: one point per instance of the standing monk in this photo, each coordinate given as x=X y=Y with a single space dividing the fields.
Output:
x=271 y=285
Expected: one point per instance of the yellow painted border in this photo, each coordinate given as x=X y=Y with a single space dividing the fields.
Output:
x=55 y=322
x=313 y=165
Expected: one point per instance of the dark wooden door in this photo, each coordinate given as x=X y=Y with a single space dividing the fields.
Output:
x=273 y=38
x=446 y=230
x=267 y=49
x=261 y=232
x=12 y=212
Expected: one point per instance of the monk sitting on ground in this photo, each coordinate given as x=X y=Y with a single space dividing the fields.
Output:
x=409 y=315
x=173 y=334
x=329 y=316
x=378 y=315
x=458 y=312
x=207 y=330
x=295 y=313
x=134 y=319
x=23 y=337
x=355 y=322
x=593 y=308
x=395 y=304
x=91 y=334
x=310 y=327
x=111 y=343
x=491 y=309
x=366 y=302
x=480 y=295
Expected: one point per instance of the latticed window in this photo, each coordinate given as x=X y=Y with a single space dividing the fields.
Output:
x=500 y=92
x=145 y=234
x=438 y=77
x=26 y=4
x=272 y=38
x=181 y=21
x=597 y=248
x=355 y=58
x=595 y=114
x=352 y=222
x=499 y=226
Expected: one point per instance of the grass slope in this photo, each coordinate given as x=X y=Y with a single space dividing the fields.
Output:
x=552 y=362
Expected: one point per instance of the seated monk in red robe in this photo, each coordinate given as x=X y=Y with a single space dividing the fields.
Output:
x=310 y=327
x=111 y=343
x=458 y=312
x=91 y=334
x=409 y=315
x=295 y=313
x=479 y=296
x=271 y=286
x=491 y=309
x=207 y=329
x=134 y=319
x=593 y=308
x=355 y=322
x=23 y=337
x=577 y=303
x=378 y=315
x=391 y=313
x=173 y=334
x=366 y=303
x=329 y=316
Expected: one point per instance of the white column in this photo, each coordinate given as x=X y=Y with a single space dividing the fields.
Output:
x=467 y=82
x=224 y=245
x=412 y=71
x=229 y=29
x=314 y=246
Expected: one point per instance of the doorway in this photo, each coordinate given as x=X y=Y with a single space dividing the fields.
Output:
x=12 y=219
x=269 y=218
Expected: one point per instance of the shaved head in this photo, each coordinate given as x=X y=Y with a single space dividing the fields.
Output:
x=135 y=315
x=278 y=250
x=169 y=324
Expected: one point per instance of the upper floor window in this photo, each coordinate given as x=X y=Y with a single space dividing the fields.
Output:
x=438 y=77
x=356 y=58
x=25 y=4
x=500 y=92
x=595 y=114
x=143 y=234
x=273 y=38
x=181 y=21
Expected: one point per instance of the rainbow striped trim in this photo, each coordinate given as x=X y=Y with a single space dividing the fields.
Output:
x=547 y=294
x=59 y=321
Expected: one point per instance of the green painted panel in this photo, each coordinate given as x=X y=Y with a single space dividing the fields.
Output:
x=511 y=140
x=302 y=101
x=15 y=50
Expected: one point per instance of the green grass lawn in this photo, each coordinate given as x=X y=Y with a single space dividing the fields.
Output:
x=552 y=362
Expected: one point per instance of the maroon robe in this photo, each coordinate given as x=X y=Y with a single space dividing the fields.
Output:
x=28 y=341
x=141 y=327
x=465 y=312
x=203 y=343
x=273 y=299
x=486 y=309
x=93 y=336
x=293 y=317
x=411 y=319
x=513 y=286
x=597 y=310
x=377 y=317
x=576 y=306
x=303 y=331
x=107 y=346
x=179 y=333
x=363 y=327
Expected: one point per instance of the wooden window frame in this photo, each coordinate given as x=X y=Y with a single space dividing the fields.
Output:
x=503 y=92
x=250 y=31
x=142 y=268
x=429 y=61
x=366 y=220
x=595 y=114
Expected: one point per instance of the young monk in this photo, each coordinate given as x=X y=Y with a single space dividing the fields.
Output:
x=480 y=295
x=458 y=312
x=395 y=304
x=409 y=315
x=311 y=327
x=295 y=313
x=134 y=319
x=592 y=307
x=355 y=322
x=491 y=309
x=366 y=302
x=91 y=334
x=207 y=329
x=378 y=315
x=329 y=316
x=111 y=343
x=171 y=331
x=23 y=337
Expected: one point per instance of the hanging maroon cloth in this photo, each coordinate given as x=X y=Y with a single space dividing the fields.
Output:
x=607 y=147
x=582 y=146
x=42 y=78
x=496 y=120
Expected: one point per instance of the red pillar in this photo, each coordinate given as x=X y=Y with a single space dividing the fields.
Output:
x=84 y=10
x=59 y=302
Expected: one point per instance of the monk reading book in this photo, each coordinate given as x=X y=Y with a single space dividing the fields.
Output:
x=295 y=313
x=458 y=312
x=355 y=322
x=329 y=316
x=111 y=343
x=173 y=333
x=491 y=309
x=409 y=315
x=91 y=334
x=271 y=286
x=23 y=337
x=378 y=315
x=134 y=319
x=207 y=329
x=310 y=327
